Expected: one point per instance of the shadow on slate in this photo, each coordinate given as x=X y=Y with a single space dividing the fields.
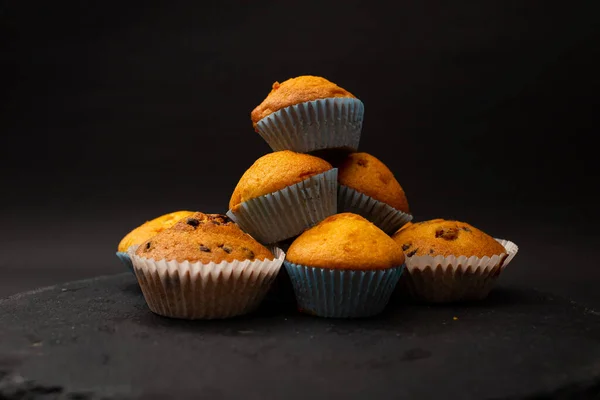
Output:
x=97 y=339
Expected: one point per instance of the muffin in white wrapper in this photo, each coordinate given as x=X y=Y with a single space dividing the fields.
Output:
x=205 y=291
x=384 y=216
x=450 y=279
x=287 y=212
x=314 y=125
x=338 y=293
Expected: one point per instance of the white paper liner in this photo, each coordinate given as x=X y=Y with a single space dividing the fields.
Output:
x=382 y=215
x=288 y=212
x=314 y=125
x=205 y=291
x=442 y=279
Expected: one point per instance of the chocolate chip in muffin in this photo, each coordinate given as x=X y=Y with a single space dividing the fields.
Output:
x=219 y=219
x=226 y=249
x=406 y=246
x=412 y=253
x=148 y=245
x=447 y=233
x=431 y=251
x=193 y=222
x=362 y=162
x=204 y=248
x=249 y=253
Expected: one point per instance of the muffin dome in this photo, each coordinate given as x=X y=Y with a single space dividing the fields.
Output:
x=345 y=241
x=446 y=238
x=294 y=91
x=151 y=228
x=204 y=238
x=367 y=174
x=275 y=171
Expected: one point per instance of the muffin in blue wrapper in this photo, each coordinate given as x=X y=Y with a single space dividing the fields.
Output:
x=344 y=267
x=336 y=293
x=314 y=125
x=125 y=259
x=282 y=194
x=368 y=187
x=309 y=113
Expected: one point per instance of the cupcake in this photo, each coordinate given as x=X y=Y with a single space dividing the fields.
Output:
x=146 y=231
x=344 y=267
x=367 y=187
x=204 y=267
x=450 y=261
x=282 y=194
x=309 y=113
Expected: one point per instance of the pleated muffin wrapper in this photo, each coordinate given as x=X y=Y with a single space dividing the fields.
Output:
x=382 y=215
x=288 y=212
x=454 y=279
x=338 y=293
x=314 y=125
x=205 y=291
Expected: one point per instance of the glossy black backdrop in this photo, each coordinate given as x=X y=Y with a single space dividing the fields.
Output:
x=114 y=113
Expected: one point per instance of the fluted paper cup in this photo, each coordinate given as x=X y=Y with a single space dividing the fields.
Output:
x=384 y=216
x=125 y=259
x=336 y=293
x=314 y=125
x=288 y=212
x=449 y=279
x=205 y=291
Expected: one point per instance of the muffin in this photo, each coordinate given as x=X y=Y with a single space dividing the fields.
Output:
x=449 y=261
x=309 y=113
x=344 y=267
x=204 y=267
x=146 y=231
x=282 y=194
x=367 y=187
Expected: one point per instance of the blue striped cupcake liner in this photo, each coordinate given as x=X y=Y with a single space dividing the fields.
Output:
x=125 y=259
x=314 y=125
x=336 y=293
x=382 y=215
x=290 y=211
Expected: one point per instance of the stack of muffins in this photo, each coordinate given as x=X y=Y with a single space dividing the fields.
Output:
x=335 y=218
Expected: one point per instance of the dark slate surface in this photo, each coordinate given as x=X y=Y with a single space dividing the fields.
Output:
x=96 y=339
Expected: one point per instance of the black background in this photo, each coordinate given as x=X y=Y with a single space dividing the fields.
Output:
x=115 y=113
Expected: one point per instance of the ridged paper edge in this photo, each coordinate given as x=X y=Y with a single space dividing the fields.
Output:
x=463 y=262
x=205 y=291
x=314 y=125
x=451 y=279
x=382 y=215
x=288 y=212
x=336 y=293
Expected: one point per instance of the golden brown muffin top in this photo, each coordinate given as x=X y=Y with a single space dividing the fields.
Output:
x=367 y=174
x=294 y=91
x=446 y=238
x=205 y=238
x=275 y=171
x=345 y=241
x=407 y=225
x=151 y=228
